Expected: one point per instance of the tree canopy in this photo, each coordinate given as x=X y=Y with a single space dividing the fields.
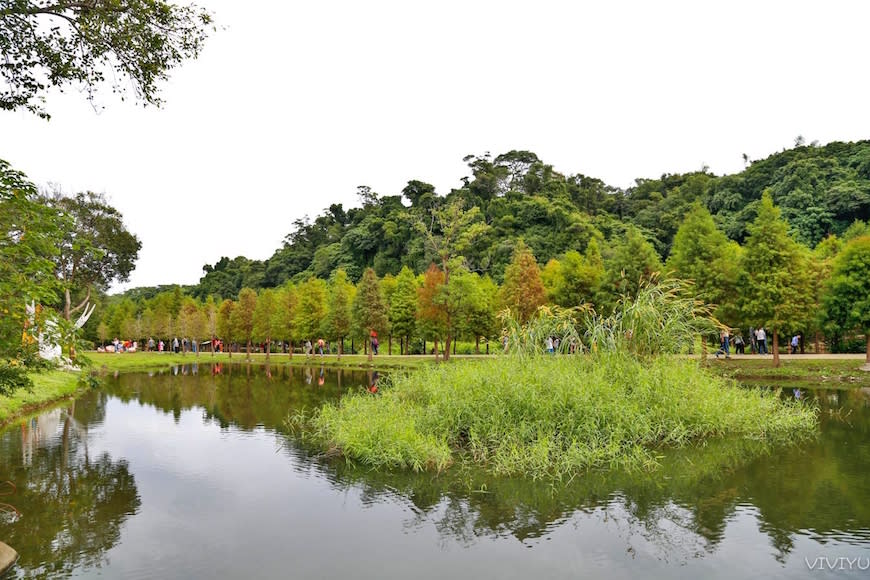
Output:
x=89 y=43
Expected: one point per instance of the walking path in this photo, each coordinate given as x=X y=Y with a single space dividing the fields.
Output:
x=810 y=356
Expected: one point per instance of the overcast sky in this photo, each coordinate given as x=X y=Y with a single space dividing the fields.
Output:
x=294 y=104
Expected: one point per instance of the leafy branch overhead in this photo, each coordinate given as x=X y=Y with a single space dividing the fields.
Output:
x=129 y=44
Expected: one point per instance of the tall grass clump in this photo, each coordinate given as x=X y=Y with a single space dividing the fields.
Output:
x=663 y=318
x=551 y=415
x=618 y=401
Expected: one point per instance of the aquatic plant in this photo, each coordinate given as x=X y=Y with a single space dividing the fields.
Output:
x=550 y=416
x=663 y=317
x=529 y=413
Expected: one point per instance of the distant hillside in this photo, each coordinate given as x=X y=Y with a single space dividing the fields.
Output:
x=821 y=190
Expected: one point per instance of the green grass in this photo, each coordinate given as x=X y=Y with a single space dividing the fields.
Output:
x=551 y=416
x=47 y=388
x=826 y=371
x=152 y=360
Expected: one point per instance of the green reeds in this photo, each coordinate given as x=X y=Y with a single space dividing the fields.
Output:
x=663 y=318
x=551 y=416
x=612 y=398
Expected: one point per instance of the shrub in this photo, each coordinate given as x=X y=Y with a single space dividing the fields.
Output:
x=13 y=376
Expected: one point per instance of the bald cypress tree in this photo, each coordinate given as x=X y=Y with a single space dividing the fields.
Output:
x=338 y=319
x=523 y=290
x=847 y=296
x=703 y=254
x=369 y=309
x=403 y=307
x=264 y=314
x=242 y=319
x=775 y=284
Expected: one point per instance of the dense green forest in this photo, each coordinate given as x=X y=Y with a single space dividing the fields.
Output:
x=589 y=242
x=821 y=191
x=782 y=244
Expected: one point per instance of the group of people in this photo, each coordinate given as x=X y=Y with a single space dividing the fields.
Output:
x=758 y=342
x=321 y=345
x=119 y=346
x=176 y=345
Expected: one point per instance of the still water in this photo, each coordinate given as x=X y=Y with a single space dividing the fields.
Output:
x=190 y=474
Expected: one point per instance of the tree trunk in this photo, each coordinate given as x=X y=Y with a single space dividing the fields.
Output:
x=390 y=343
x=436 y=350
x=369 y=349
x=487 y=346
x=447 y=340
x=776 y=348
x=290 y=350
x=340 y=347
x=816 y=343
x=454 y=347
x=248 y=349
x=268 y=348
x=476 y=345
x=424 y=346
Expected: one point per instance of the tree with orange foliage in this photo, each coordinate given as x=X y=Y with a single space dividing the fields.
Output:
x=431 y=314
x=523 y=291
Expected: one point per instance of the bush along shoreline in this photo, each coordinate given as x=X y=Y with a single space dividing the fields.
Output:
x=545 y=415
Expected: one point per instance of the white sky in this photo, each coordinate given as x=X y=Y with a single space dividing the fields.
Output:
x=294 y=104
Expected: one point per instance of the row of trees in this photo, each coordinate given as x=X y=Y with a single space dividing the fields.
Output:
x=770 y=281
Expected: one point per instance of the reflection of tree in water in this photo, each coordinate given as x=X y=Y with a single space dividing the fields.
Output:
x=72 y=504
x=820 y=489
x=679 y=511
x=244 y=396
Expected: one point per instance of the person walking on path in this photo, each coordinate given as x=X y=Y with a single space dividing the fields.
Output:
x=761 y=338
x=724 y=344
x=739 y=345
x=795 y=342
x=320 y=345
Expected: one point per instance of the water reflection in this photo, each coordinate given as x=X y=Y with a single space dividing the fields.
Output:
x=202 y=441
x=72 y=504
x=245 y=396
x=817 y=489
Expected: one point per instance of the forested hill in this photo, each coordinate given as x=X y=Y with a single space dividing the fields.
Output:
x=820 y=189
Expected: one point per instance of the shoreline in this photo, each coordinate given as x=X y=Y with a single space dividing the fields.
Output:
x=824 y=371
x=48 y=389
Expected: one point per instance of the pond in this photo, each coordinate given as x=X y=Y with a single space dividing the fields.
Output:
x=189 y=473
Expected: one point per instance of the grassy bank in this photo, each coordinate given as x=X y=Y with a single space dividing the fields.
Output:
x=827 y=372
x=152 y=360
x=47 y=388
x=549 y=415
